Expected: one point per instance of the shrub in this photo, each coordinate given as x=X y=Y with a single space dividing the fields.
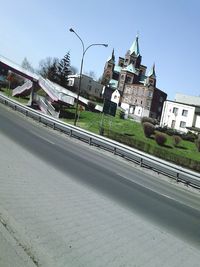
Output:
x=176 y=140
x=198 y=143
x=150 y=120
x=189 y=136
x=122 y=114
x=148 y=128
x=160 y=138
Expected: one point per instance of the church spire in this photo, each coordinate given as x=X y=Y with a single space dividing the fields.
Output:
x=111 y=58
x=113 y=55
x=152 y=72
x=135 y=47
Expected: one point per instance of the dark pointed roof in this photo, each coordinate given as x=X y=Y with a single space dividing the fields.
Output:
x=112 y=57
x=152 y=72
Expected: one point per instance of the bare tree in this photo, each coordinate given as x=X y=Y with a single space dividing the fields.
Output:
x=48 y=68
x=27 y=65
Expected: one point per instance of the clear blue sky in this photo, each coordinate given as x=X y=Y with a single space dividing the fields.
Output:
x=169 y=35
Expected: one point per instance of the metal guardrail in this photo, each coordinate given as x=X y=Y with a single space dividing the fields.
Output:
x=144 y=160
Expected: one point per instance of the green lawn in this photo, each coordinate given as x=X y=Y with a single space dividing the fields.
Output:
x=8 y=92
x=131 y=133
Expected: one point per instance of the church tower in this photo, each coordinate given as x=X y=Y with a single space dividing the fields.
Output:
x=151 y=77
x=108 y=69
x=133 y=55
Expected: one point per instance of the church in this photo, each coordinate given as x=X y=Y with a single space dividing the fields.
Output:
x=139 y=95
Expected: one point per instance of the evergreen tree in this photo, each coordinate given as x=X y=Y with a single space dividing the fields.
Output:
x=64 y=69
x=56 y=70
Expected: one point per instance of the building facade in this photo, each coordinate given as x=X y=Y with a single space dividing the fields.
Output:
x=89 y=87
x=139 y=94
x=179 y=116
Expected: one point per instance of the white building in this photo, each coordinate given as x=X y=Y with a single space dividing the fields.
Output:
x=178 y=116
x=88 y=85
x=115 y=97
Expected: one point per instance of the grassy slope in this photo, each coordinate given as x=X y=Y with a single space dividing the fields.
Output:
x=91 y=122
x=7 y=92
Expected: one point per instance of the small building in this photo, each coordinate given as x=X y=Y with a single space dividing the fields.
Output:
x=111 y=94
x=89 y=87
x=179 y=116
x=115 y=97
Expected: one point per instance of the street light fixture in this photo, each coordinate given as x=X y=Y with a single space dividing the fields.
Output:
x=81 y=68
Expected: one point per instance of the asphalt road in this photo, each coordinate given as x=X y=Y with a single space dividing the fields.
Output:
x=173 y=208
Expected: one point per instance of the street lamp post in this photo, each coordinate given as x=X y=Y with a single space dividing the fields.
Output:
x=81 y=69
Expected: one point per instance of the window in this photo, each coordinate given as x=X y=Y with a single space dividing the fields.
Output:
x=161 y=99
x=173 y=124
x=184 y=112
x=182 y=124
x=151 y=81
x=122 y=77
x=70 y=82
x=141 y=102
x=175 y=111
x=148 y=103
x=150 y=94
x=128 y=79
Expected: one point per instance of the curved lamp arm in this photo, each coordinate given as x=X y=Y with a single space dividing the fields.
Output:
x=81 y=68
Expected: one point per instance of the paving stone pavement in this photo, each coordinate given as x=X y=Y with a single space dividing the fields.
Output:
x=61 y=222
x=11 y=254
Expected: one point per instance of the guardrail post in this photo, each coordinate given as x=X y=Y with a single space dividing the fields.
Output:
x=39 y=119
x=26 y=113
x=114 y=151
x=177 y=177
x=70 y=133
x=54 y=126
x=141 y=162
x=90 y=141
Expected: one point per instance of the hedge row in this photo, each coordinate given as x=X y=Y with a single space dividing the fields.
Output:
x=153 y=150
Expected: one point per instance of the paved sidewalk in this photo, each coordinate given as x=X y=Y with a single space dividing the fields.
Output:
x=61 y=222
x=11 y=254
